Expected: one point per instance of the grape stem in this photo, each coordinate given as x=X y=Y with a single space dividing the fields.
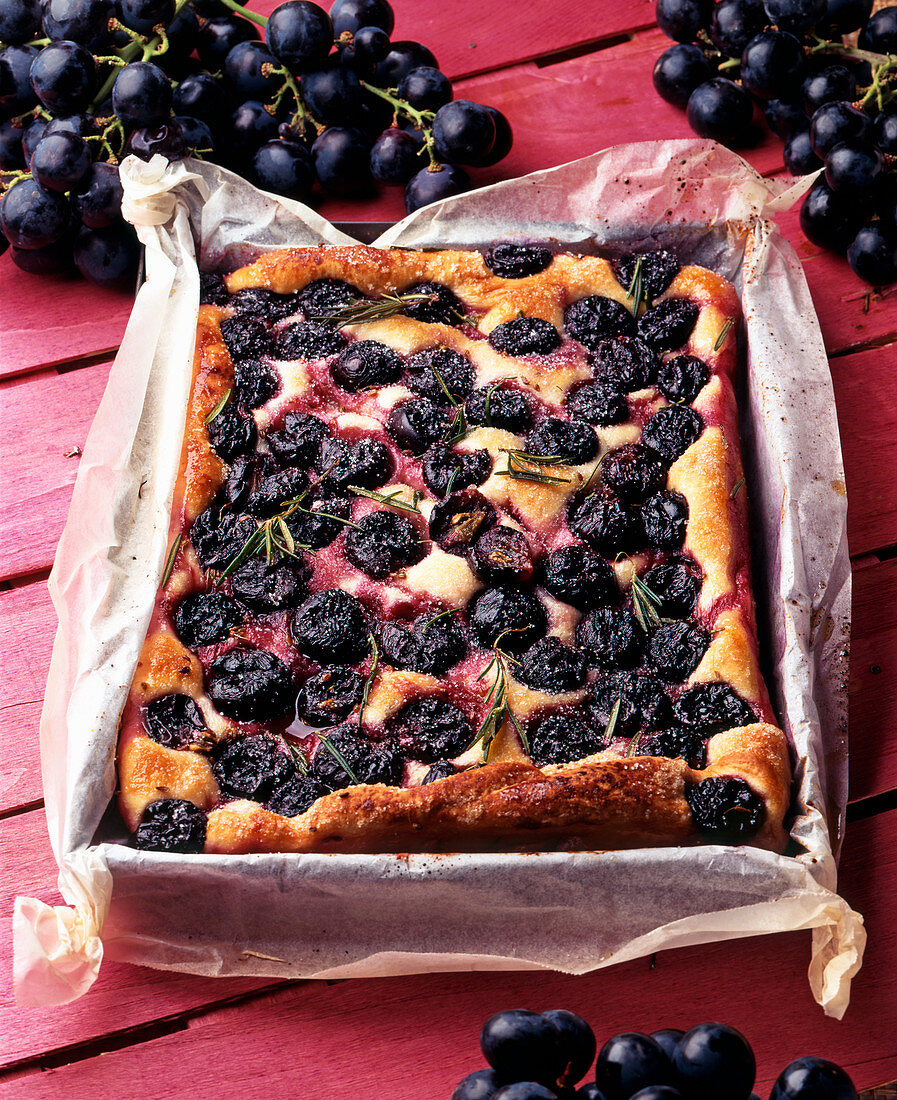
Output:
x=130 y=53
x=840 y=50
x=422 y=119
x=732 y=63
x=301 y=116
x=252 y=16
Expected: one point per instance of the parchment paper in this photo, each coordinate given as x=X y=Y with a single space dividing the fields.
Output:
x=328 y=916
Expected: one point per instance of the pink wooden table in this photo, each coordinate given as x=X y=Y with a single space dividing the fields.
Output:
x=572 y=79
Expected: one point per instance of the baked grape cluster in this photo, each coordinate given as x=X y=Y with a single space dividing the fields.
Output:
x=542 y=1056
x=834 y=105
x=301 y=599
x=299 y=102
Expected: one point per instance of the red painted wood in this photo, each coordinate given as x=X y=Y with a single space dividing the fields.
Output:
x=27 y=626
x=873 y=680
x=45 y=417
x=410 y=1037
x=123 y=997
x=47 y=320
x=865 y=391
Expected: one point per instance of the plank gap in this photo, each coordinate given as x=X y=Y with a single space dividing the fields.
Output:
x=872 y=344
x=871 y=806
x=85 y=361
x=585 y=48
x=24 y=579
x=25 y=808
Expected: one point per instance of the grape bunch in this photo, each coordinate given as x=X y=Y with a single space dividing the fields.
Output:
x=542 y=1056
x=834 y=105
x=325 y=100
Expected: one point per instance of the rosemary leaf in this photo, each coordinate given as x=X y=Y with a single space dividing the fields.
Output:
x=223 y=400
x=337 y=756
x=286 y=534
x=255 y=541
x=392 y=500
x=458 y=428
x=376 y=309
x=646 y=604
x=632 y=749
x=520 y=463
x=441 y=382
x=170 y=559
x=441 y=615
x=295 y=755
x=723 y=333
x=612 y=721
x=736 y=487
x=636 y=287
x=369 y=682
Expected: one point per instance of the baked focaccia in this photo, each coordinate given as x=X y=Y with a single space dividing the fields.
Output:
x=459 y=562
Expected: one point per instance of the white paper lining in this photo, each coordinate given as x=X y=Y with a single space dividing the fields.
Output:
x=329 y=916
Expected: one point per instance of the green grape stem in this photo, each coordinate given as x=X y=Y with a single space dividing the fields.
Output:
x=423 y=120
x=252 y=16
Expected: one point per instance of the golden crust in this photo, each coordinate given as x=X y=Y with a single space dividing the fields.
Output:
x=603 y=801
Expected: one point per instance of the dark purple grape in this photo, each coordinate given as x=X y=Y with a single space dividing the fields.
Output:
x=270 y=586
x=165 y=137
x=299 y=34
x=522 y=1045
x=274 y=307
x=352 y=15
x=734 y=24
x=643 y=704
x=298 y=442
x=232 y=432
x=285 y=168
x=712 y=706
x=721 y=110
x=597 y=403
x=12 y=156
x=329 y=697
x=625 y=364
x=440 y=374
x=381 y=543
x=562 y=737
x=525 y=1090
x=463 y=132
x=218 y=36
x=307 y=339
x=19 y=21
x=657 y=271
x=144 y=15
x=678 y=71
x=873 y=254
x=676 y=649
x=81 y=21
x=595 y=318
x=333 y=93
x=551 y=666
x=444 y=469
x=676 y=742
x=212 y=290
x=368 y=47
x=663 y=519
x=569 y=440
x=712 y=1059
x=784 y=118
x=516 y=261
x=416 y=425
x=845 y=16
x=502 y=556
x=796 y=16
x=836 y=122
x=499 y=407
x=430 y=729
x=604 y=523
x=833 y=83
x=404 y=55
x=276 y=490
x=671 y=431
x=854 y=169
x=509 y=617
x=245 y=337
x=182 y=33
x=171 y=825
x=366 y=363
x=395 y=156
x=682 y=19
x=578 y=576
x=108 y=257
x=367 y=463
x=726 y=811
x=369 y=763
x=773 y=64
x=798 y=155
x=884 y=131
x=525 y=336
x=331 y=627
x=294 y=793
x=578 y=1044
x=425 y=88
x=141 y=94
x=82 y=124
x=249 y=767
x=433 y=645
x=667 y=1038
x=201 y=96
x=629 y=1062
x=255 y=382
x=317 y=527
x=61 y=161
x=440 y=306
x=675 y=586
x=611 y=637
x=812 y=1078
x=52 y=259
x=250 y=685
x=458 y=521
x=203 y=618
x=245 y=72
x=880 y=32
x=504 y=139
x=16 y=93
x=250 y=127
x=98 y=202
x=682 y=378
x=434 y=183
x=64 y=77
x=442 y=769
x=33 y=133
x=173 y=721
x=341 y=158
x=482 y=1084
x=633 y=472
x=668 y=324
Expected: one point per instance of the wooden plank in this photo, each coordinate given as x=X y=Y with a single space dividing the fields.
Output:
x=123 y=997
x=27 y=626
x=867 y=413
x=45 y=320
x=846 y=318
x=413 y=1036
x=873 y=680
x=45 y=417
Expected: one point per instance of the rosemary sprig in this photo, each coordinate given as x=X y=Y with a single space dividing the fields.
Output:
x=338 y=756
x=219 y=407
x=646 y=604
x=612 y=721
x=736 y=487
x=593 y=471
x=723 y=333
x=391 y=500
x=441 y=615
x=448 y=393
x=369 y=682
x=376 y=309
x=636 y=287
x=487 y=403
x=170 y=559
x=520 y=468
x=326 y=515
x=497 y=698
x=295 y=755
x=458 y=428
x=632 y=748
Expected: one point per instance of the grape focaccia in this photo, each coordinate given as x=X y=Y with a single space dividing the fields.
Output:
x=459 y=561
